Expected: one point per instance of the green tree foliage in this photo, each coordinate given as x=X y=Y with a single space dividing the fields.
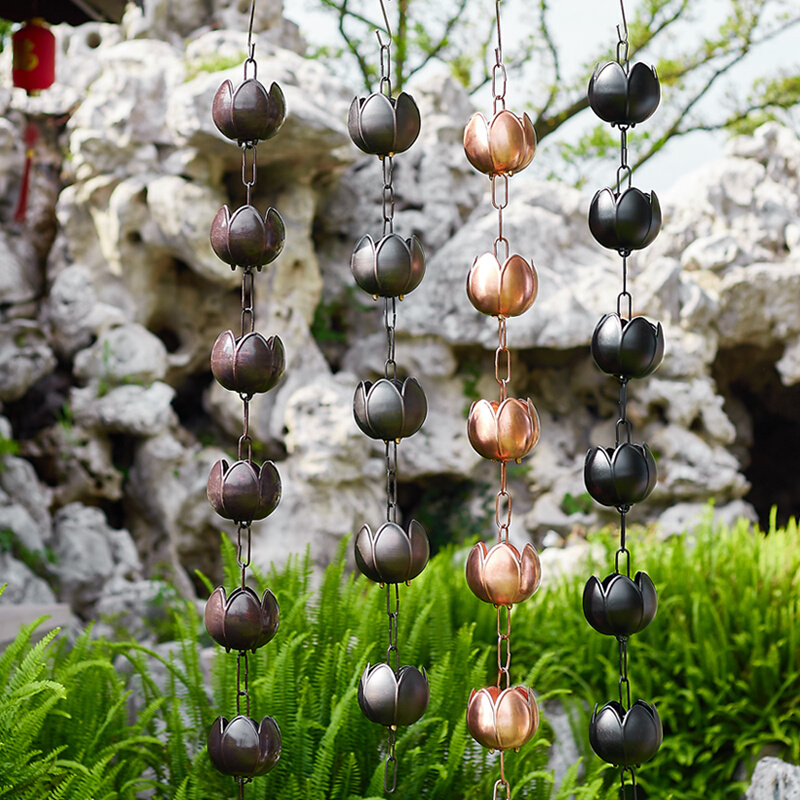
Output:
x=694 y=45
x=721 y=661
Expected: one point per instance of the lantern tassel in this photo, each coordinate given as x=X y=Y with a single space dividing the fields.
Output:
x=31 y=137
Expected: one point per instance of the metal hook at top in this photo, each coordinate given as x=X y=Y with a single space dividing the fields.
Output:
x=251 y=48
x=379 y=34
x=623 y=34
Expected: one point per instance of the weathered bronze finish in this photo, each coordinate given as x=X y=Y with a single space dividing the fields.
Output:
x=392 y=267
x=241 y=621
x=502 y=146
x=382 y=125
x=244 y=239
x=502 y=291
x=503 y=576
x=244 y=748
x=248 y=113
x=393 y=699
x=244 y=491
x=392 y=555
x=248 y=365
x=390 y=409
x=502 y=719
x=505 y=431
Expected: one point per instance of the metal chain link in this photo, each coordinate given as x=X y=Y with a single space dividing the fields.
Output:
x=393 y=617
x=500 y=203
x=390 y=323
x=502 y=353
x=502 y=783
x=249 y=180
x=391 y=481
x=622 y=793
x=390 y=770
x=387 y=194
x=248 y=301
x=623 y=673
x=503 y=647
x=241 y=658
x=499 y=73
x=503 y=497
x=243 y=560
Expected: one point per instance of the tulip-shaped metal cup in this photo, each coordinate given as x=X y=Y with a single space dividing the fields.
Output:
x=242 y=621
x=625 y=738
x=502 y=291
x=502 y=720
x=244 y=748
x=503 y=576
x=393 y=699
x=620 y=606
x=249 y=112
x=505 y=431
x=620 y=476
x=625 y=221
x=381 y=125
x=502 y=146
x=244 y=491
x=624 y=98
x=391 y=268
x=390 y=555
x=627 y=348
x=248 y=365
x=244 y=239
x=389 y=408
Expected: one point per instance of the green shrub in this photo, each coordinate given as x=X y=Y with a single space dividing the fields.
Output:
x=721 y=661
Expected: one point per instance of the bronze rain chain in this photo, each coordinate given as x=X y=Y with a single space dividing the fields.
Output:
x=389 y=409
x=248 y=364
x=626 y=347
x=501 y=284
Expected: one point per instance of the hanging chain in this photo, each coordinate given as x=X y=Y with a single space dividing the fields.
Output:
x=393 y=612
x=502 y=790
x=500 y=202
x=503 y=647
x=390 y=323
x=499 y=74
x=502 y=358
x=623 y=673
x=502 y=505
x=391 y=481
x=242 y=678
x=390 y=770
x=622 y=792
x=387 y=194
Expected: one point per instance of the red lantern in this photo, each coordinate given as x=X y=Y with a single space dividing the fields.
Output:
x=34 y=57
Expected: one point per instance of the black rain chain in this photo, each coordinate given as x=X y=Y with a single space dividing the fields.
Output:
x=248 y=364
x=502 y=717
x=623 y=219
x=389 y=409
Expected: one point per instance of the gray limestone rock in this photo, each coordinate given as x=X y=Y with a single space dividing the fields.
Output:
x=129 y=409
x=774 y=779
x=25 y=357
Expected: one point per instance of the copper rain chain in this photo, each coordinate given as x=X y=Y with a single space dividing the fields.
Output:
x=501 y=284
x=625 y=347
x=389 y=409
x=247 y=364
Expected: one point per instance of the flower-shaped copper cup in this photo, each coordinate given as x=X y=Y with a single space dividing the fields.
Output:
x=505 y=431
x=620 y=476
x=244 y=748
x=244 y=491
x=624 y=98
x=249 y=112
x=502 y=146
x=626 y=221
x=502 y=720
x=502 y=291
x=503 y=576
x=392 y=555
x=620 y=606
x=627 y=348
x=241 y=621
x=392 y=267
x=248 y=365
x=381 y=125
x=625 y=738
x=392 y=699
x=389 y=408
x=244 y=239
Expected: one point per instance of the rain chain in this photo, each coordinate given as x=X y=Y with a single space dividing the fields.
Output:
x=247 y=364
x=623 y=219
x=389 y=409
x=502 y=717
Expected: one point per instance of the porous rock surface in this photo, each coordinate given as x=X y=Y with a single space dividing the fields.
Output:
x=111 y=298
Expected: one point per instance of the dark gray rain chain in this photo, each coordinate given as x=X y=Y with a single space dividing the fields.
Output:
x=626 y=347
x=389 y=409
x=247 y=364
x=501 y=284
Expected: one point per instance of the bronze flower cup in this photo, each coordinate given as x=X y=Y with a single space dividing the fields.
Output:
x=505 y=431
x=392 y=267
x=244 y=748
x=389 y=408
x=241 y=621
x=502 y=291
x=503 y=576
x=392 y=555
x=502 y=720
x=244 y=491
x=248 y=113
x=502 y=146
x=393 y=699
x=381 y=125
x=248 y=365
x=244 y=239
